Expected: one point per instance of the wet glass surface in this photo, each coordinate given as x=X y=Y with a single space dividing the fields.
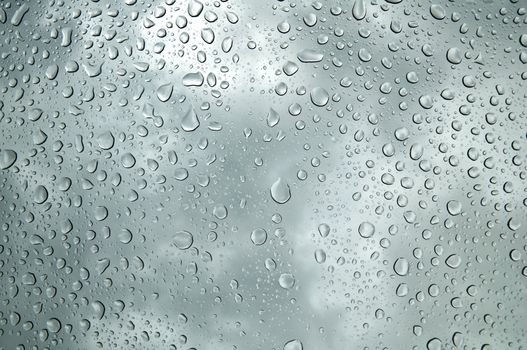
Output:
x=263 y=174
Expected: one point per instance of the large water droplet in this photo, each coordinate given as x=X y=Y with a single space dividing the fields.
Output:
x=53 y=325
x=310 y=56
x=401 y=266
x=324 y=229
x=454 y=207
x=453 y=261
x=286 y=280
x=193 y=79
x=320 y=256
x=194 y=8
x=454 y=55
x=366 y=229
x=359 y=9
x=128 y=160
x=98 y=309
x=290 y=68
x=220 y=212
x=7 y=158
x=190 y=121
x=106 y=140
x=294 y=344
x=280 y=191
x=434 y=344
x=183 y=239
x=437 y=11
x=319 y=96
x=164 y=92
x=273 y=118
x=258 y=236
x=40 y=195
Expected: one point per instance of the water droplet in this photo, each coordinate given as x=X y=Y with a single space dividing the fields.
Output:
x=283 y=27
x=366 y=229
x=183 y=239
x=454 y=207
x=320 y=256
x=402 y=290
x=426 y=101
x=53 y=325
x=98 y=309
x=324 y=230
x=164 y=92
x=453 y=261
x=286 y=280
x=437 y=11
x=280 y=191
x=258 y=236
x=290 y=68
x=319 y=96
x=7 y=158
x=100 y=213
x=190 y=121
x=19 y=14
x=310 y=19
x=272 y=118
x=106 y=140
x=364 y=55
x=194 y=8
x=128 y=160
x=359 y=9
x=125 y=236
x=515 y=255
x=401 y=266
x=454 y=55
x=434 y=344
x=310 y=56
x=220 y=212
x=293 y=345
x=40 y=195
x=207 y=35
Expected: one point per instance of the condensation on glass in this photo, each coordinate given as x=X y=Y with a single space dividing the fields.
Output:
x=219 y=174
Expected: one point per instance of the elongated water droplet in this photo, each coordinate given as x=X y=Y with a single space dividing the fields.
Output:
x=194 y=8
x=324 y=230
x=164 y=92
x=193 y=79
x=310 y=56
x=7 y=158
x=272 y=118
x=41 y=194
x=359 y=9
x=280 y=191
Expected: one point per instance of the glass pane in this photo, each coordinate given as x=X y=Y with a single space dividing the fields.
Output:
x=222 y=175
